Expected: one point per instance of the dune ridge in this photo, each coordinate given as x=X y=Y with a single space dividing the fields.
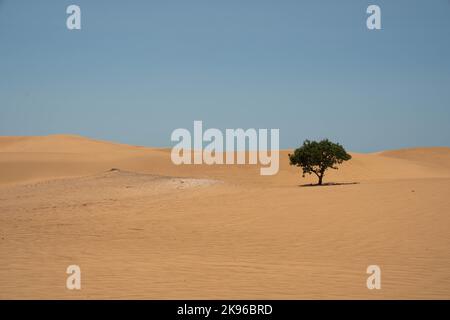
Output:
x=25 y=159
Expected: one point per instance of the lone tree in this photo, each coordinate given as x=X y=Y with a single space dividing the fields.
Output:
x=316 y=157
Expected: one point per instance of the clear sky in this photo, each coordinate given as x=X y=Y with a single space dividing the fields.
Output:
x=137 y=70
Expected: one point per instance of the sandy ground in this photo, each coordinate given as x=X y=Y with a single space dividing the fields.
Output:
x=150 y=229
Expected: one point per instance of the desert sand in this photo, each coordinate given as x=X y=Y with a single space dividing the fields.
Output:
x=140 y=227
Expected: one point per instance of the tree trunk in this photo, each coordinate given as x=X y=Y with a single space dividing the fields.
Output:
x=320 y=180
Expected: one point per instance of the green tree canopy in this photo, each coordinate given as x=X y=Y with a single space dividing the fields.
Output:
x=316 y=157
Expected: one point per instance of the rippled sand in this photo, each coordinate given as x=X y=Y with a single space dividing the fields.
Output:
x=141 y=227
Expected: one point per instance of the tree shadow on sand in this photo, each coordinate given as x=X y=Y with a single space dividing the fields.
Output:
x=328 y=184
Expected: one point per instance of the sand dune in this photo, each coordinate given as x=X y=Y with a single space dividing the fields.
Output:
x=150 y=229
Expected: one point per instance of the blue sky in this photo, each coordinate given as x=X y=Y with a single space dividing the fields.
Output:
x=140 y=69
